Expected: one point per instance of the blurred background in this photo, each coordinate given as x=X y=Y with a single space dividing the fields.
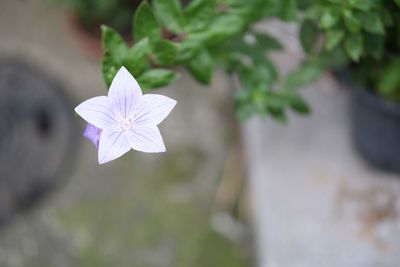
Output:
x=225 y=194
x=58 y=206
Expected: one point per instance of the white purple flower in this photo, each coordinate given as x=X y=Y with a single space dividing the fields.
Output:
x=126 y=118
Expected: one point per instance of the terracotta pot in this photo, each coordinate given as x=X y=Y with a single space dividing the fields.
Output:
x=88 y=41
x=89 y=38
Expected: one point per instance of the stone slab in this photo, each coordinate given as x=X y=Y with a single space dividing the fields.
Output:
x=315 y=202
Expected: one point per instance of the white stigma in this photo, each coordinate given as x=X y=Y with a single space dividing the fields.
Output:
x=127 y=124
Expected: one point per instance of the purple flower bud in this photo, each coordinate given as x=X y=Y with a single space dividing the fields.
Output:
x=93 y=134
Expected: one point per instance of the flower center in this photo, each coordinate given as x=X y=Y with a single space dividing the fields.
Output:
x=127 y=124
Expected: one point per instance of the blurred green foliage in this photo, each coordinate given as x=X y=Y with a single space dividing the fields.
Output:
x=364 y=34
x=205 y=34
x=201 y=36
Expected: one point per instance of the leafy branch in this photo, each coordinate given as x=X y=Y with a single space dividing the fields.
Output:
x=204 y=35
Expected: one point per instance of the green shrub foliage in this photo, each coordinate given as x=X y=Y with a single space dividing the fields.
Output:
x=203 y=35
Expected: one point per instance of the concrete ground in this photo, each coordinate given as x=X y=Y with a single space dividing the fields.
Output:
x=140 y=210
x=316 y=202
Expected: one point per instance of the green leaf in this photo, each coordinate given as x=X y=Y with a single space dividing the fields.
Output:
x=389 y=83
x=246 y=76
x=288 y=10
x=145 y=23
x=386 y=17
x=201 y=67
x=165 y=52
x=136 y=60
x=397 y=30
x=351 y=22
x=303 y=4
x=113 y=43
x=221 y=28
x=258 y=99
x=187 y=50
x=374 y=45
x=170 y=14
x=243 y=107
x=334 y=59
x=268 y=42
x=261 y=73
x=371 y=22
x=109 y=68
x=275 y=105
x=363 y=5
x=333 y=38
x=115 y=51
x=244 y=111
x=265 y=8
x=308 y=35
x=304 y=75
x=314 y=12
x=354 y=46
x=296 y=102
x=330 y=17
x=156 y=78
x=265 y=71
x=397 y=2
x=198 y=14
x=278 y=115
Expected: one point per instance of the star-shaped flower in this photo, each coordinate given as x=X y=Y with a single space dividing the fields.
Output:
x=125 y=119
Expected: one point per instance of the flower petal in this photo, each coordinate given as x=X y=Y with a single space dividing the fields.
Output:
x=93 y=134
x=113 y=144
x=147 y=139
x=98 y=111
x=153 y=109
x=124 y=93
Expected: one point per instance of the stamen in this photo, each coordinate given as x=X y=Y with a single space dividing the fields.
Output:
x=127 y=124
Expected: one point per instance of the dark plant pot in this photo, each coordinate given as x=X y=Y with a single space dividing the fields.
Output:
x=38 y=137
x=376 y=129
